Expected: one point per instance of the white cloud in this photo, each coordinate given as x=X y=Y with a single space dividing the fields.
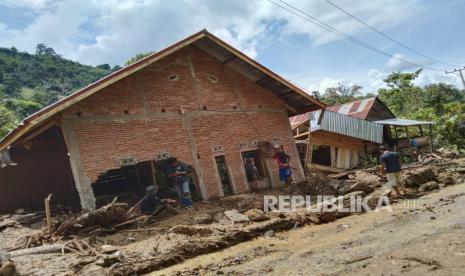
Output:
x=28 y=4
x=111 y=31
x=327 y=82
x=375 y=79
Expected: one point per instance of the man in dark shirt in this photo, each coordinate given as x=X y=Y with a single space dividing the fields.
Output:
x=252 y=174
x=177 y=175
x=390 y=164
x=151 y=203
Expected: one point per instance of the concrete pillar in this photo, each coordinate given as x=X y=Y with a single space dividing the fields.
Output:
x=187 y=119
x=82 y=182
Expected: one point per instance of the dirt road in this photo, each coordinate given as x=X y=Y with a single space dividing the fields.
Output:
x=422 y=236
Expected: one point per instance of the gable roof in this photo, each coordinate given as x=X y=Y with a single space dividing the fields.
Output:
x=359 y=109
x=297 y=100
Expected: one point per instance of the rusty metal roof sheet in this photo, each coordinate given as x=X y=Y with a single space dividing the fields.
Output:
x=358 y=109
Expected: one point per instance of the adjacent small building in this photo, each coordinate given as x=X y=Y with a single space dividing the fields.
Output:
x=199 y=99
x=342 y=137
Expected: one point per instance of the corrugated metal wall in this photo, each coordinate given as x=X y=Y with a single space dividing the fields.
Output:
x=353 y=127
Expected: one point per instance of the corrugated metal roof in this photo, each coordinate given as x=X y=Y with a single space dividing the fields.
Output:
x=349 y=126
x=403 y=122
x=358 y=109
x=297 y=120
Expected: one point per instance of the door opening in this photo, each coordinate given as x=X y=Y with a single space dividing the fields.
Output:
x=258 y=161
x=224 y=174
x=321 y=155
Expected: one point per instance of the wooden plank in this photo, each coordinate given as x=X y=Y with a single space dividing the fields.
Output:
x=47 y=213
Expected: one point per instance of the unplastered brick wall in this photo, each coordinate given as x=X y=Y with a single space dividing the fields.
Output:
x=158 y=109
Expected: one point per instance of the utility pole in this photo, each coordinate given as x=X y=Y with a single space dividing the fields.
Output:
x=460 y=73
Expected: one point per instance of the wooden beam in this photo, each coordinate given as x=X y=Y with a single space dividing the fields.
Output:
x=326 y=168
x=309 y=152
x=229 y=60
x=290 y=108
x=302 y=135
x=47 y=213
x=286 y=94
x=39 y=130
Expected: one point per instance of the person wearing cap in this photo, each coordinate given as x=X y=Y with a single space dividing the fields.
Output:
x=390 y=164
x=283 y=159
x=151 y=203
x=177 y=175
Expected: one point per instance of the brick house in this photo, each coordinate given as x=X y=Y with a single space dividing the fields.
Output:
x=200 y=100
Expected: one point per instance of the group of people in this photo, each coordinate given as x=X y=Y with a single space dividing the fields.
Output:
x=176 y=172
x=254 y=176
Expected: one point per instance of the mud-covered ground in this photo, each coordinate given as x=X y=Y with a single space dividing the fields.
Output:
x=421 y=236
x=425 y=236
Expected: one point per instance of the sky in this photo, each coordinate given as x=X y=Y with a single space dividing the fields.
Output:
x=111 y=31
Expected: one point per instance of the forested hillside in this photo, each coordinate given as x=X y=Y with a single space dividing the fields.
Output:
x=29 y=82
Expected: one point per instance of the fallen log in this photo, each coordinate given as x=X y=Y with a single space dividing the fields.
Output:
x=44 y=249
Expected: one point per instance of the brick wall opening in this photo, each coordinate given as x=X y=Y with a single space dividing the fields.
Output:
x=129 y=182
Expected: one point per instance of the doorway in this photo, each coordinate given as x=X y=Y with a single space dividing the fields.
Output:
x=127 y=182
x=258 y=161
x=321 y=155
x=223 y=172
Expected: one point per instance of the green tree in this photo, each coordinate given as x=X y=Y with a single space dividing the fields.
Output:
x=402 y=96
x=440 y=103
x=137 y=57
x=341 y=94
x=42 y=49
x=438 y=94
x=7 y=120
x=105 y=66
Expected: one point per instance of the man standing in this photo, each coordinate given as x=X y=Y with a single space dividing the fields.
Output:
x=177 y=175
x=252 y=174
x=283 y=163
x=390 y=164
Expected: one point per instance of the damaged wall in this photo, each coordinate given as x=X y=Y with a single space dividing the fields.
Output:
x=346 y=152
x=188 y=105
x=43 y=168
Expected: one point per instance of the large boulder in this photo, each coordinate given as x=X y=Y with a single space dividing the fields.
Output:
x=236 y=217
x=325 y=211
x=368 y=178
x=203 y=219
x=358 y=186
x=256 y=215
x=428 y=186
x=415 y=178
x=446 y=179
x=8 y=268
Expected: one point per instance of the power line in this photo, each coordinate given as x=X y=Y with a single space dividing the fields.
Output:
x=386 y=36
x=352 y=39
